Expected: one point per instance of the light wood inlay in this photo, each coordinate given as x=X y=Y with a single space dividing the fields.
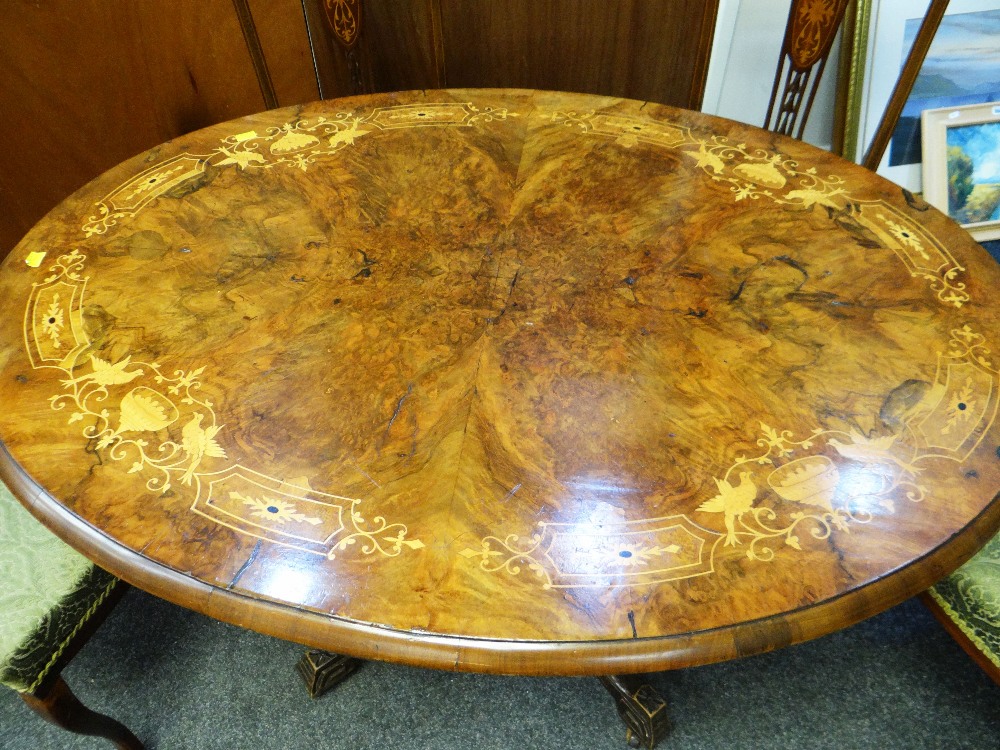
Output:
x=508 y=381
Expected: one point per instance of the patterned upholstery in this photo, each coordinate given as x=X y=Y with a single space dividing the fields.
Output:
x=971 y=598
x=49 y=591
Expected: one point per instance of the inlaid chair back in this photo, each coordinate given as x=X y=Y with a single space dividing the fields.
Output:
x=51 y=600
x=809 y=33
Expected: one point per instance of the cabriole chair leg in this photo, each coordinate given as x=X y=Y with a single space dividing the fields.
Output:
x=59 y=706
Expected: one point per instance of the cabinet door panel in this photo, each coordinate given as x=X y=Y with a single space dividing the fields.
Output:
x=88 y=83
x=558 y=44
x=642 y=49
x=280 y=26
x=406 y=35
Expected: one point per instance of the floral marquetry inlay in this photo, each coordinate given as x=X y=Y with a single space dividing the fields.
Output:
x=251 y=503
x=756 y=173
x=814 y=23
x=602 y=554
x=158 y=422
x=344 y=19
x=793 y=493
x=962 y=404
x=296 y=143
x=516 y=381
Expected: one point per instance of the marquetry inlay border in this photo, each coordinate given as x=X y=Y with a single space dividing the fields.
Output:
x=797 y=490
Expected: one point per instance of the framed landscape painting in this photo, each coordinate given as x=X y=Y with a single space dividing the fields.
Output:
x=962 y=68
x=961 y=167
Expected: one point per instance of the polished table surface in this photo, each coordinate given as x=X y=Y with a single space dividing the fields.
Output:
x=507 y=381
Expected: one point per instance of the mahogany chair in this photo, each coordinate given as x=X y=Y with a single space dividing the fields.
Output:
x=809 y=33
x=52 y=600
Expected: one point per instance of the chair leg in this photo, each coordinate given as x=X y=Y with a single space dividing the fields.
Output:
x=59 y=706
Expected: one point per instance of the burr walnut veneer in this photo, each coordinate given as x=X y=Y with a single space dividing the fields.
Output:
x=508 y=381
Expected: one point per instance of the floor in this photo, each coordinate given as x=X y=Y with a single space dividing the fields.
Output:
x=183 y=681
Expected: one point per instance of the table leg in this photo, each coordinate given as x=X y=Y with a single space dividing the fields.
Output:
x=641 y=708
x=322 y=670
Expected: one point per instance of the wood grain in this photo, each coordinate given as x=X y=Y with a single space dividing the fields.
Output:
x=84 y=89
x=506 y=381
x=405 y=45
x=643 y=50
x=88 y=84
x=656 y=49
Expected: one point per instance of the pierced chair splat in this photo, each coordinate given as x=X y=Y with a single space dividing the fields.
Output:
x=809 y=34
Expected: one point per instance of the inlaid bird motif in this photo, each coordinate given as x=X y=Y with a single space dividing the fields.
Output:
x=733 y=501
x=871 y=450
x=348 y=135
x=243 y=157
x=811 y=196
x=104 y=373
x=707 y=159
x=198 y=442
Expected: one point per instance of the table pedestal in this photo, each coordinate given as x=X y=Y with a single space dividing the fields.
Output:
x=642 y=709
x=323 y=671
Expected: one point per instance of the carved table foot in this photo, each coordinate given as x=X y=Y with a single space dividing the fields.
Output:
x=322 y=670
x=641 y=708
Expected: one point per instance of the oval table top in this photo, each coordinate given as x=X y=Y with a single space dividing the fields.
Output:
x=509 y=381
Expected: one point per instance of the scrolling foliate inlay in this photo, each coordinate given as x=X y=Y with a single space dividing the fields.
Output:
x=753 y=174
x=53 y=323
x=954 y=415
x=344 y=18
x=297 y=516
x=564 y=555
x=814 y=23
x=792 y=493
x=128 y=199
x=134 y=411
x=297 y=144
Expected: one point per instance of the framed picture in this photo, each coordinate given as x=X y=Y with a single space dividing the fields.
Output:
x=961 y=167
x=961 y=68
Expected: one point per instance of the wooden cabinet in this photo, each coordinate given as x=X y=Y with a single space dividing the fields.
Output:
x=88 y=83
x=642 y=49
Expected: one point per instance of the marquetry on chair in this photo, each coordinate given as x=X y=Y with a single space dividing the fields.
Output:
x=51 y=601
x=809 y=33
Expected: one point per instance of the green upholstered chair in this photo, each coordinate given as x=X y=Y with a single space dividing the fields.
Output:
x=968 y=604
x=51 y=601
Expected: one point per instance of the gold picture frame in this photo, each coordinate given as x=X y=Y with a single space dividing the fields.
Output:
x=875 y=42
x=851 y=79
x=961 y=170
